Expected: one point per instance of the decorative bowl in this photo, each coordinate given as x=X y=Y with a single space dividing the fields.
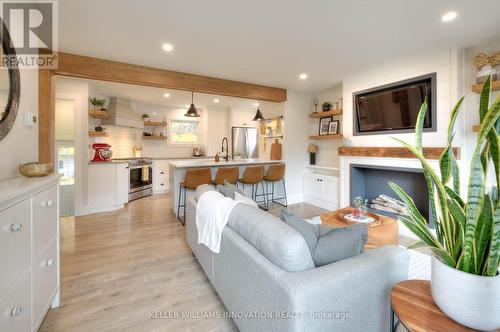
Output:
x=35 y=169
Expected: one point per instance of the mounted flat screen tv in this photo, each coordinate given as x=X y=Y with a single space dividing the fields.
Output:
x=393 y=108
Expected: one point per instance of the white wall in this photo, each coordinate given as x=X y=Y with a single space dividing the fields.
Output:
x=447 y=63
x=65 y=111
x=21 y=144
x=78 y=91
x=471 y=106
x=296 y=114
x=328 y=150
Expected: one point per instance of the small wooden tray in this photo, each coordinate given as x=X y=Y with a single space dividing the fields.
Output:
x=337 y=218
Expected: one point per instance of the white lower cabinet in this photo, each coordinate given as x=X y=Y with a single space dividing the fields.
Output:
x=44 y=281
x=29 y=252
x=321 y=190
x=160 y=176
x=15 y=308
x=108 y=186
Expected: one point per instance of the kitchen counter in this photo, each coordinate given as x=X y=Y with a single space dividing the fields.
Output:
x=108 y=162
x=212 y=163
x=178 y=168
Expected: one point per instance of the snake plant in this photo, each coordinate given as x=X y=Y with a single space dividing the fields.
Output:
x=467 y=232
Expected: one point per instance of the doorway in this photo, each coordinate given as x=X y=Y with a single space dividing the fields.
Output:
x=65 y=154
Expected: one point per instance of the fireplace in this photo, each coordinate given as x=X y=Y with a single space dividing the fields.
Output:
x=370 y=181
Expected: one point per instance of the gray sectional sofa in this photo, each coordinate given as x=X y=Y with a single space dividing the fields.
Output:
x=266 y=278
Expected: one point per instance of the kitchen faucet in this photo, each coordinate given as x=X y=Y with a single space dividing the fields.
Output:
x=225 y=149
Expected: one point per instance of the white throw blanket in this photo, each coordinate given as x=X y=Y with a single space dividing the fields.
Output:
x=212 y=214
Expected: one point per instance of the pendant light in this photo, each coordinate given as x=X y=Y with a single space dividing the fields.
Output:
x=258 y=116
x=192 y=112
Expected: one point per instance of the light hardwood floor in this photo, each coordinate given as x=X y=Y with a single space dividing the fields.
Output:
x=118 y=267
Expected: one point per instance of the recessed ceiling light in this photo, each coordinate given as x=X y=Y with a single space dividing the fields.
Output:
x=167 y=47
x=216 y=100
x=303 y=76
x=166 y=95
x=450 y=16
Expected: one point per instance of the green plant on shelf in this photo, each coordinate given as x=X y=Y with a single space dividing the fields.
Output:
x=97 y=103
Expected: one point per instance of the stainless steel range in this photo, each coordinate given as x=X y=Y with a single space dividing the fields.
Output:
x=140 y=177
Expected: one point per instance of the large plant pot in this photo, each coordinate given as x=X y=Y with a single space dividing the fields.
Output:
x=471 y=300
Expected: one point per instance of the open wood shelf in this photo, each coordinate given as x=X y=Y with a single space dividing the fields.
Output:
x=98 y=134
x=155 y=123
x=320 y=114
x=495 y=86
x=98 y=114
x=155 y=137
x=325 y=137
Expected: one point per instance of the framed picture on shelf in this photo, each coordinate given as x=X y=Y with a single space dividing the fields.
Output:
x=333 y=127
x=324 y=125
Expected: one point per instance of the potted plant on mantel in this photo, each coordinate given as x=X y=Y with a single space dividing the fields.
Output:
x=465 y=281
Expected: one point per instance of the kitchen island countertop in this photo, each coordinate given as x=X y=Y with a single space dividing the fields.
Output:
x=193 y=163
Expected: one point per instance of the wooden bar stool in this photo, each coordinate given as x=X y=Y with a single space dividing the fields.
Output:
x=254 y=175
x=229 y=174
x=276 y=173
x=192 y=179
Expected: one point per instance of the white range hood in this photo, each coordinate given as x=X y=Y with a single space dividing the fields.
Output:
x=121 y=113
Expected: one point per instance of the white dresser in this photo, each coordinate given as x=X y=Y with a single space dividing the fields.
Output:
x=29 y=251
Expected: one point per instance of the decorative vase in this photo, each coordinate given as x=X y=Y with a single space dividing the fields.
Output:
x=469 y=299
x=312 y=158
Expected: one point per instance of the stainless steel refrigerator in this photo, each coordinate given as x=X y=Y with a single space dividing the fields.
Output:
x=244 y=143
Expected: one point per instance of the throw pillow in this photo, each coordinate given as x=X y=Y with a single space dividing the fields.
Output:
x=335 y=244
x=242 y=198
x=327 y=244
x=308 y=231
x=228 y=190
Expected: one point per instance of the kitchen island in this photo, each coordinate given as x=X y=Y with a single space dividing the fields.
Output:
x=177 y=171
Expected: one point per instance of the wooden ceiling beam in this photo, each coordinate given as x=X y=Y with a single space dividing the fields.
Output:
x=106 y=70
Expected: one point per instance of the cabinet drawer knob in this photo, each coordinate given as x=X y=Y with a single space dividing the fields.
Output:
x=162 y=184
x=16 y=227
x=50 y=202
x=16 y=311
x=49 y=262
x=162 y=172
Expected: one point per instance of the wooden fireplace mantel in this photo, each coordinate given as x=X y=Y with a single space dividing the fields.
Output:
x=392 y=152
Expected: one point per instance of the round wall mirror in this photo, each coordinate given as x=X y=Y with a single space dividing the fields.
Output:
x=9 y=84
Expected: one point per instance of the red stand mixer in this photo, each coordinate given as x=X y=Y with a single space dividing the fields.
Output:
x=102 y=152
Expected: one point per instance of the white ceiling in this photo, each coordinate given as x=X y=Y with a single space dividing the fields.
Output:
x=271 y=42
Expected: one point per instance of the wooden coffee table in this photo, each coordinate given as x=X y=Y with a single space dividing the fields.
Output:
x=380 y=233
x=412 y=303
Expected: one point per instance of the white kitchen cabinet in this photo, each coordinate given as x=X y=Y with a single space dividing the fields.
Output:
x=122 y=183
x=160 y=176
x=321 y=190
x=108 y=186
x=243 y=118
x=29 y=251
